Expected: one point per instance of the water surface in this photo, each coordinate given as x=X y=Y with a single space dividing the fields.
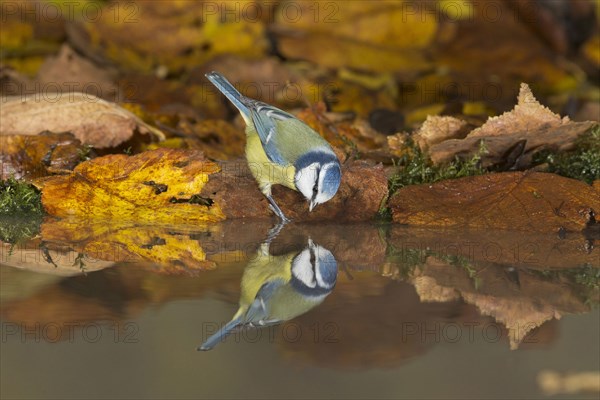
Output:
x=92 y=310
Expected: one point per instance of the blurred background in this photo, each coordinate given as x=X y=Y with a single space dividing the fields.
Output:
x=389 y=62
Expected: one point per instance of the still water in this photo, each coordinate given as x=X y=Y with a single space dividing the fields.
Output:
x=93 y=310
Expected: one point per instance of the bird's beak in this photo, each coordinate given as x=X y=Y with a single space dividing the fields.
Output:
x=312 y=205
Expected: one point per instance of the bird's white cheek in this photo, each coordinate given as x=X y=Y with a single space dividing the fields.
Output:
x=303 y=269
x=305 y=180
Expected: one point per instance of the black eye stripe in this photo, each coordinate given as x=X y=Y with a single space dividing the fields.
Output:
x=316 y=186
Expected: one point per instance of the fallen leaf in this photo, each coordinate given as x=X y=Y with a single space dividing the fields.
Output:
x=219 y=139
x=437 y=129
x=528 y=115
x=501 y=150
x=92 y=120
x=368 y=36
x=362 y=192
x=399 y=144
x=68 y=71
x=191 y=34
x=30 y=157
x=529 y=126
x=512 y=200
x=332 y=52
x=482 y=60
x=266 y=79
x=158 y=185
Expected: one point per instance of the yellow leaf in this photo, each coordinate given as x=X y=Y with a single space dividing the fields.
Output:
x=158 y=185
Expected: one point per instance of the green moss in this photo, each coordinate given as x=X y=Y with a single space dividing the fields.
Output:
x=583 y=163
x=19 y=198
x=14 y=230
x=415 y=168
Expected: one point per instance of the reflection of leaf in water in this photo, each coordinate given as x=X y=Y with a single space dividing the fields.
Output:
x=172 y=251
x=520 y=306
x=118 y=186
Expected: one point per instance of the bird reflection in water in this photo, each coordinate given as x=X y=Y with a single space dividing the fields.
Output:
x=277 y=288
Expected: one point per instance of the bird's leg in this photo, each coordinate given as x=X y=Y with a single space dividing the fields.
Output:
x=274 y=232
x=277 y=210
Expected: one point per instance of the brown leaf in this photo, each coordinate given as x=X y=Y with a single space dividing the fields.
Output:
x=528 y=115
x=369 y=36
x=37 y=156
x=361 y=194
x=92 y=120
x=516 y=201
x=484 y=59
x=264 y=79
x=219 y=139
x=191 y=33
x=68 y=71
x=437 y=129
x=331 y=52
x=529 y=123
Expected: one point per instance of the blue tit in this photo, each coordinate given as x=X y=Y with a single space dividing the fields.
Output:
x=279 y=288
x=282 y=150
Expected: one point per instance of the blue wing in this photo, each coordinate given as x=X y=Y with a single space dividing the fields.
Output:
x=259 y=311
x=265 y=118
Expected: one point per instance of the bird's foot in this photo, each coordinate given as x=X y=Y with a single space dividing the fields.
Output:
x=274 y=231
x=275 y=208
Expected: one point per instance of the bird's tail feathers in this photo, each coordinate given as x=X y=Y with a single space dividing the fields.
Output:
x=230 y=92
x=221 y=334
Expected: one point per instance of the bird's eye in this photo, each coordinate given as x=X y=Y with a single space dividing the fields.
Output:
x=315 y=189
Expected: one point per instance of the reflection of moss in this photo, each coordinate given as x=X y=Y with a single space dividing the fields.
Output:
x=19 y=198
x=465 y=264
x=406 y=259
x=586 y=276
x=14 y=230
x=583 y=163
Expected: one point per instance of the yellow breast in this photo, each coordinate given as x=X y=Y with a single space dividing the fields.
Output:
x=265 y=172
